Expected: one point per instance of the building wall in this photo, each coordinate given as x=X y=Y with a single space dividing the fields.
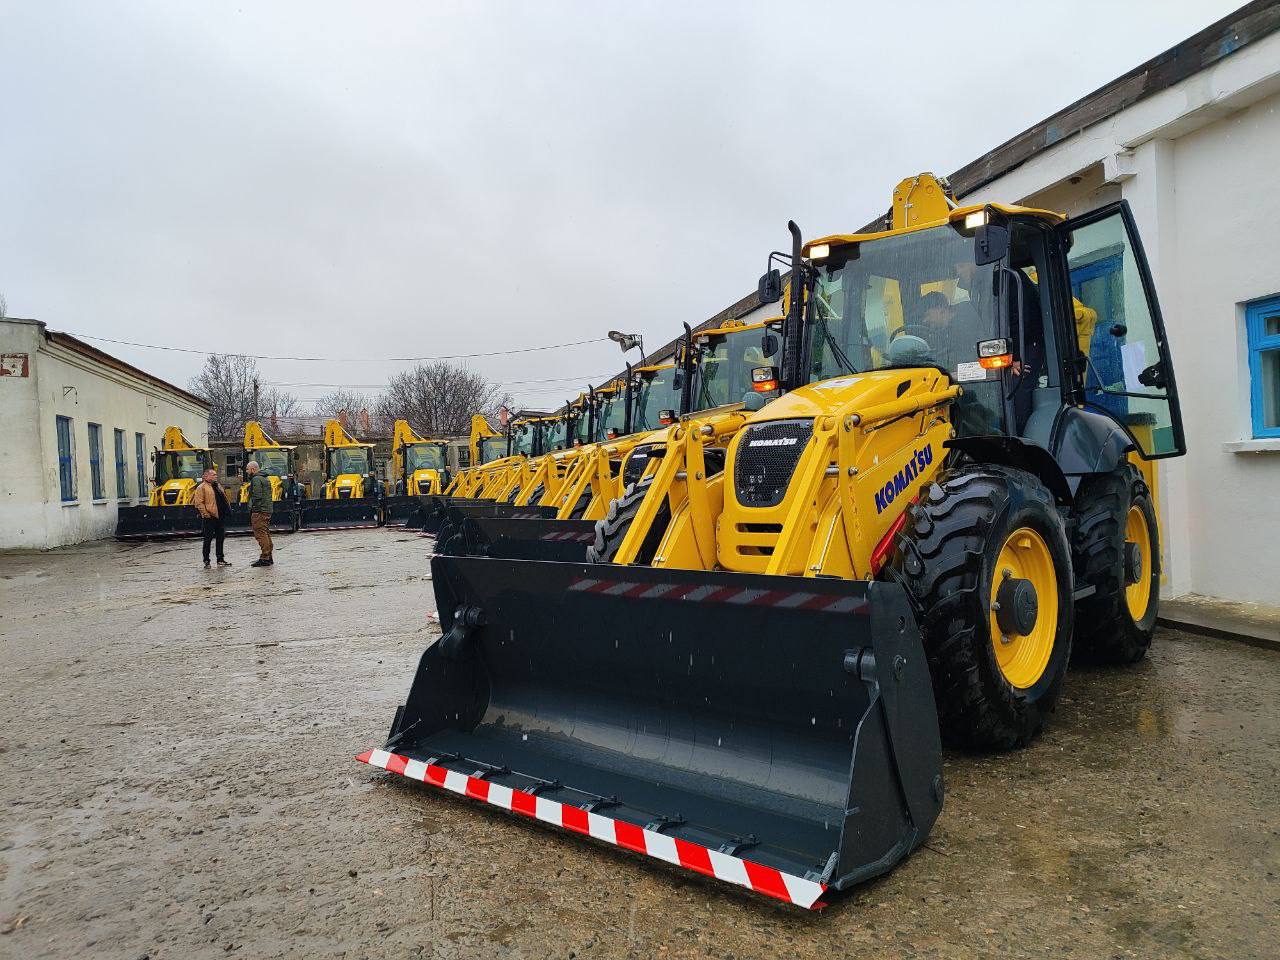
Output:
x=63 y=382
x=1193 y=162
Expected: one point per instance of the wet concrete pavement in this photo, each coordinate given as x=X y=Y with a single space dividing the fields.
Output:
x=178 y=782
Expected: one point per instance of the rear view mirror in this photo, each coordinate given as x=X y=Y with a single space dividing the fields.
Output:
x=677 y=378
x=770 y=287
x=769 y=345
x=990 y=243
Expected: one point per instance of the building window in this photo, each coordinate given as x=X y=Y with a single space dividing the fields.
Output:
x=95 y=461
x=66 y=460
x=122 y=483
x=1262 y=321
x=140 y=448
x=233 y=464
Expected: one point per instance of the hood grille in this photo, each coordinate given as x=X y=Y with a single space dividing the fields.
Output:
x=765 y=459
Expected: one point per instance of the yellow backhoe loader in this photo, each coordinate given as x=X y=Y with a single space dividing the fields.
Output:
x=419 y=469
x=900 y=548
x=352 y=496
x=279 y=464
x=168 y=513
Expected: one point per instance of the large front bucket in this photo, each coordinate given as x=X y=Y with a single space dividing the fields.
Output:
x=157 y=523
x=528 y=539
x=396 y=510
x=284 y=518
x=775 y=732
x=339 y=514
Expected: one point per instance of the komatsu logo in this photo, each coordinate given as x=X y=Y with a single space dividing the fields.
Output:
x=775 y=442
x=904 y=477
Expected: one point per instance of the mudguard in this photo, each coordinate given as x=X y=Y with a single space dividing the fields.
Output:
x=775 y=732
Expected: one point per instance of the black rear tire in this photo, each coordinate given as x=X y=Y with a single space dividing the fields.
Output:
x=946 y=559
x=612 y=529
x=1106 y=629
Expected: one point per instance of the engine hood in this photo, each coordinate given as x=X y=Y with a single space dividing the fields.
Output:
x=868 y=389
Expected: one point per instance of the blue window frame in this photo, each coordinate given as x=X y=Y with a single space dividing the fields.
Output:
x=95 y=461
x=140 y=448
x=66 y=460
x=122 y=483
x=1262 y=323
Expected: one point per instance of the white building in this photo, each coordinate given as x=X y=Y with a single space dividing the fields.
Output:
x=76 y=435
x=1188 y=139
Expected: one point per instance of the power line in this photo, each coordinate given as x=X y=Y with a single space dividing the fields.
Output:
x=380 y=386
x=260 y=356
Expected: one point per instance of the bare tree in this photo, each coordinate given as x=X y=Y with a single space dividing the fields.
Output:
x=439 y=398
x=347 y=406
x=231 y=385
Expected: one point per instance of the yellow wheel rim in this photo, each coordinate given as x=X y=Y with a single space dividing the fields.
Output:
x=1137 y=595
x=1023 y=656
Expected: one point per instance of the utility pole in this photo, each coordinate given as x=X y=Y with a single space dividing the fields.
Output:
x=255 y=399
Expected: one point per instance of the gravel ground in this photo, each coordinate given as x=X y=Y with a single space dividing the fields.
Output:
x=178 y=783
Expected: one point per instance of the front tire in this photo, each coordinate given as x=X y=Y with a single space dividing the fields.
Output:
x=612 y=529
x=985 y=559
x=1116 y=550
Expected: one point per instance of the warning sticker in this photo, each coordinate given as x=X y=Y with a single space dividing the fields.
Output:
x=972 y=370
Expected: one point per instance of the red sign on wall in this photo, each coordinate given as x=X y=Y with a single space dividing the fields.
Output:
x=14 y=365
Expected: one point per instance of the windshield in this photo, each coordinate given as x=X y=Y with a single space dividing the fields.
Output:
x=274 y=463
x=425 y=456
x=611 y=415
x=350 y=460
x=522 y=439
x=173 y=465
x=657 y=392
x=553 y=436
x=905 y=301
x=724 y=365
x=492 y=448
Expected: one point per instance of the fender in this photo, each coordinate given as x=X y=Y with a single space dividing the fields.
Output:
x=1019 y=453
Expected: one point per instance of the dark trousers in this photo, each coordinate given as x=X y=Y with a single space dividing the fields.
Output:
x=214 y=529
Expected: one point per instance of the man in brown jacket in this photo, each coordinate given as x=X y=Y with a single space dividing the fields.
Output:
x=211 y=503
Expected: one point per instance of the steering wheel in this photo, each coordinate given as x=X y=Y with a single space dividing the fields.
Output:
x=923 y=331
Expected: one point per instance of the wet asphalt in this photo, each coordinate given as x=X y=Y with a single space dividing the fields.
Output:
x=178 y=782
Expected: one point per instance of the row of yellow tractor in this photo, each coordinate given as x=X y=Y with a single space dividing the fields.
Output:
x=724 y=611
x=351 y=494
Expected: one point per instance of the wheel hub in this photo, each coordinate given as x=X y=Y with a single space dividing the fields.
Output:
x=1132 y=562
x=1017 y=606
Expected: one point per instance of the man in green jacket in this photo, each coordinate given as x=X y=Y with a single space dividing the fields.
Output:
x=260 y=511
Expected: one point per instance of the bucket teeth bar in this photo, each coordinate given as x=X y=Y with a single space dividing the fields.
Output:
x=583 y=819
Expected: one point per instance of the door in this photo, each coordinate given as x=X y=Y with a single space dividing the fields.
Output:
x=1128 y=371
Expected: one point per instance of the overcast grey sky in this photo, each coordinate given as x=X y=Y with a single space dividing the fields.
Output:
x=370 y=180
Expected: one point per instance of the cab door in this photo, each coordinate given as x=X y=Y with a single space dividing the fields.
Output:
x=1128 y=372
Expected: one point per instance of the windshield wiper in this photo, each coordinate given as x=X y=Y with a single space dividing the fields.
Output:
x=835 y=349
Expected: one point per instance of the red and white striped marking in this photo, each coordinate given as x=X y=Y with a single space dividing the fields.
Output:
x=569 y=535
x=707 y=593
x=692 y=856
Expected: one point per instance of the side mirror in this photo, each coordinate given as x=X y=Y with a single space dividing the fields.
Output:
x=990 y=243
x=666 y=417
x=769 y=345
x=677 y=378
x=770 y=287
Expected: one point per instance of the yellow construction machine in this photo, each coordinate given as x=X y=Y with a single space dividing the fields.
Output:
x=351 y=492
x=178 y=468
x=901 y=547
x=419 y=469
x=278 y=463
